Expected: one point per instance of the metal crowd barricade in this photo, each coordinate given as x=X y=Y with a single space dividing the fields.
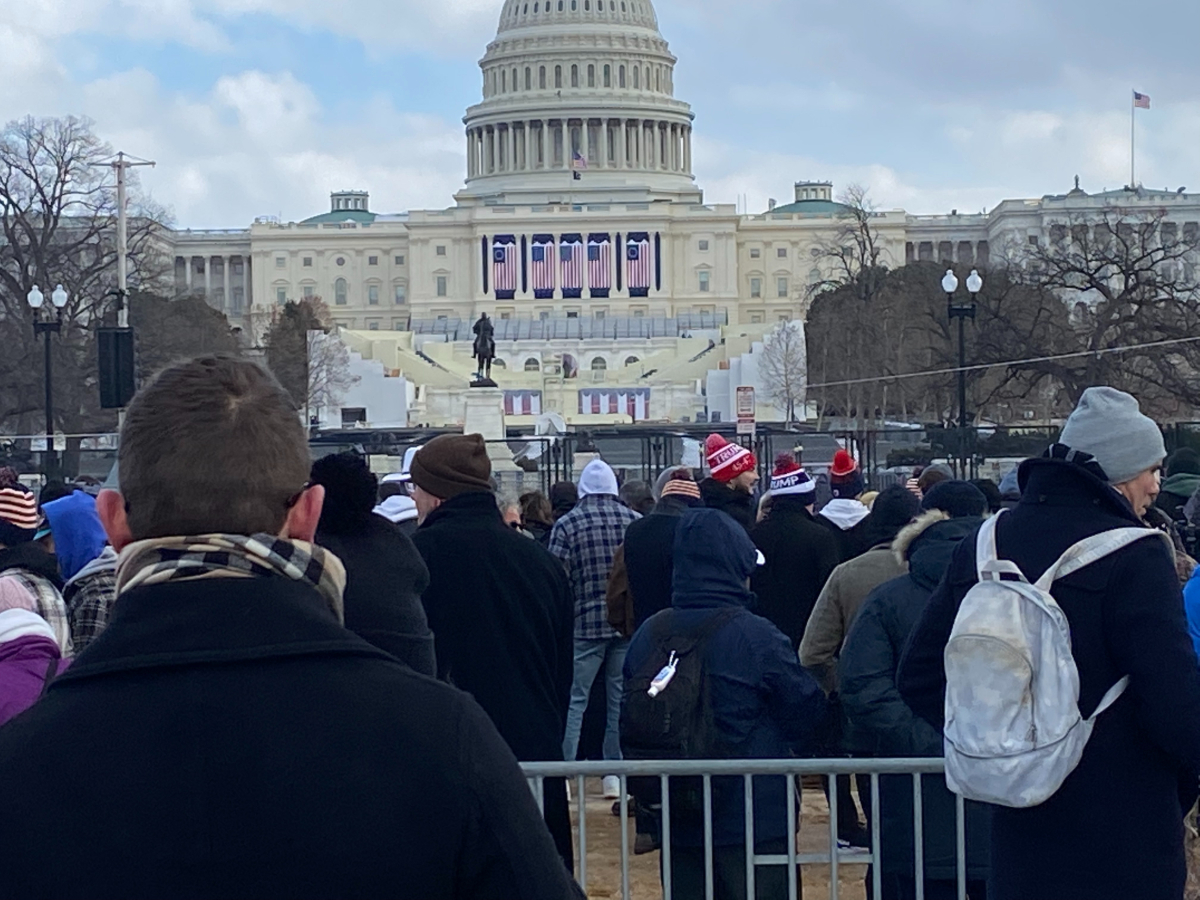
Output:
x=664 y=770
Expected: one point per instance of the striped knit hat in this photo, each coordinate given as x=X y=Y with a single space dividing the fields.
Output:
x=727 y=461
x=788 y=478
x=19 y=516
x=680 y=484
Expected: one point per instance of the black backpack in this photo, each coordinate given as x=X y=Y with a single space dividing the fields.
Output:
x=677 y=723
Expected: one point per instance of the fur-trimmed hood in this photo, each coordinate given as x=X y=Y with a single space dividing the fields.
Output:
x=927 y=544
x=913 y=530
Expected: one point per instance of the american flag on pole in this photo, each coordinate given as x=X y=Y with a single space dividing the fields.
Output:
x=541 y=253
x=578 y=162
x=637 y=256
x=570 y=255
x=1141 y=101
x=599 y=254
x=504 y=266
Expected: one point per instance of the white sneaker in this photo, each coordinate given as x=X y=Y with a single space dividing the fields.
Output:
x=612 y=787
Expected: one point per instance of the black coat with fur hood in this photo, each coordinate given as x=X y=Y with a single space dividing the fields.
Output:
x=882 y=725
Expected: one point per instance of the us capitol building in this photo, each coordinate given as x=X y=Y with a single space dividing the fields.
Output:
x=618 y=293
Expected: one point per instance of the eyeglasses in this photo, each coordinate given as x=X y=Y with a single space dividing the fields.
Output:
x=295 y=498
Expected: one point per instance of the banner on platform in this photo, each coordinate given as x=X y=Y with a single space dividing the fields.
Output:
x=504 y=266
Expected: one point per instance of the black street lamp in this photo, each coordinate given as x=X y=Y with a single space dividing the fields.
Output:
x=962 y=313
x=47 y=326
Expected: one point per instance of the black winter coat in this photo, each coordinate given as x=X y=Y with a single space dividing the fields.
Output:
x=1115 y=827
x=881 y=724
x=503 y=623
x=227 y=737
x=738 y=504
x=385 y=577
x=851 y=542
x=649 y=557
x=800 y=556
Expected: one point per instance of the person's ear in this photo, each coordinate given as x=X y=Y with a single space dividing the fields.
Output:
x=302 y=518
x=110 y=507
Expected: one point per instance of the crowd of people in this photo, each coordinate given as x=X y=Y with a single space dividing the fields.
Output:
x=253 y=674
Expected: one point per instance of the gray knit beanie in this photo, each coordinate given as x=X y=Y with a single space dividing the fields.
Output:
x=1108 y=425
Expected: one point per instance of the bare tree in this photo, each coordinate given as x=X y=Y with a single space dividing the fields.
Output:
x=329 y=375
x=1127 y=278
x=58 y=226
x=783 y=367
x=310 y=363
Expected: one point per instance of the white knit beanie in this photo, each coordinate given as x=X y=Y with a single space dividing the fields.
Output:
x=1108 y=424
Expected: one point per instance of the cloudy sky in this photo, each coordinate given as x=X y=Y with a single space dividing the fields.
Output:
x=261 y=107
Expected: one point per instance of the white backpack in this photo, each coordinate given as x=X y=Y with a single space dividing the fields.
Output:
x=1013 y=728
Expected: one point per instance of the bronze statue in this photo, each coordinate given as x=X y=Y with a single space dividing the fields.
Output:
x=485 y=347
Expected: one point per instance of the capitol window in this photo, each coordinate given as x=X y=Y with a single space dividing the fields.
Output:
x=308 y=291
x=599 y=364
x=631 y=360
x=755 y=287
x=440 y=250
x=532 y=365
x=308 y=262
x=504 y=82
x=542 y=77
x=281 y=295
x=528 y=78
x=558 y=74
x=591 y=76
x=399 y=260
x=400 y=294
x=755 y=253
x=372 y=325
x=339 y=292
x=441 y=285
x=704 y=276
x=280 y=262
x=781 y=287
x=637 y=78
x=372 y=260
x=373 y=294
x=703 y=245
x=574 y=76
x=621 y=76
x=781 y=252
x=607 y=75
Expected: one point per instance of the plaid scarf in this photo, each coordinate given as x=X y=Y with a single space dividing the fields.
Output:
x=160 y=560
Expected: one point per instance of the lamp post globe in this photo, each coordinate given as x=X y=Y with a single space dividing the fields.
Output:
x=59 y=297
x=35 y=297
x=949 y=282
x=974 y=283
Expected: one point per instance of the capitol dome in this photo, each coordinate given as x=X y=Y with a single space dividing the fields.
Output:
x=578 y=86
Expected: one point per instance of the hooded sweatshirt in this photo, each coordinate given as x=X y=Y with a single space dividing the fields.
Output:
x=28 y=650
x=78 y=535
x=765 y=706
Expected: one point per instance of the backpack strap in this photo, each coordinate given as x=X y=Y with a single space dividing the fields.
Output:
x=1092 y=549
x=988 y=565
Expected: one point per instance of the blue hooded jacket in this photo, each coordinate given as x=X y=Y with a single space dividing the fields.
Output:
x=78 y=535
x=765 y=705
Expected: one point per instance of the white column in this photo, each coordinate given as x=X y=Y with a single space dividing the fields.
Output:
x=470 y=169
x=687 y=149
x=584 y=143
x=623 y=149
x=512 y=149
x=225 y=300
x=546 y=148
x=528 y=146
x=208 y=278
x=674 y=148
x=604 y=143
x=247 y=293
x=189 y=262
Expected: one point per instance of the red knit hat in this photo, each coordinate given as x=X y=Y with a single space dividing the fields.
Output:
x=845 y=479
x=789 y=478
x=727 y=461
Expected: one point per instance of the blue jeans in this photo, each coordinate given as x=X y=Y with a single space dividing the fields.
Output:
x=589 y=656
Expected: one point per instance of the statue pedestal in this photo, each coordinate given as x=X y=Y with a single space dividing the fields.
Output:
x=484 y=415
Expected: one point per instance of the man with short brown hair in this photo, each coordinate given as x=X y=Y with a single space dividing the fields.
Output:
x=232 y=737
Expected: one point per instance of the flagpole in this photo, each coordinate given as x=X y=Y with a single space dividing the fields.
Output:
x=1132 y=157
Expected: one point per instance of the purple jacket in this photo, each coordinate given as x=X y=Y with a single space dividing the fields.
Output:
x=27 y=650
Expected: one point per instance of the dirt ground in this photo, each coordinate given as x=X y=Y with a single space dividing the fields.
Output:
x=604 y=853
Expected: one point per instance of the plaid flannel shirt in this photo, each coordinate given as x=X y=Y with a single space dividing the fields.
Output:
x=586 y=539
x=48 y=604
x=89 y=597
